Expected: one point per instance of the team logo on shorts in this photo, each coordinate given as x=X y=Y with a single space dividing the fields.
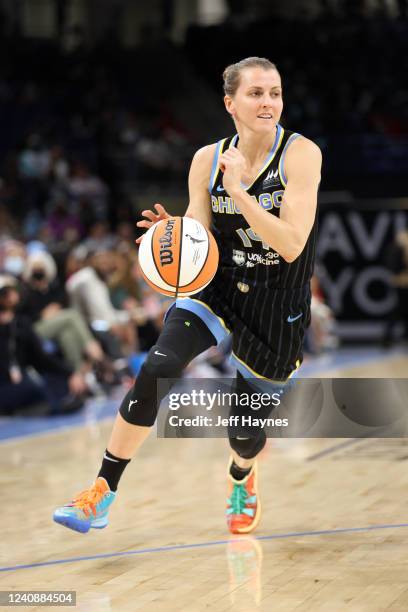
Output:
x=238 y=257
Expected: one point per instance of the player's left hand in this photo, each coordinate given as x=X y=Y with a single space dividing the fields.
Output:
x=232 y=163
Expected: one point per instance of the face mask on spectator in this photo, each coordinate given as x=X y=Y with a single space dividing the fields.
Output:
x=38 y=275
x=13 y=264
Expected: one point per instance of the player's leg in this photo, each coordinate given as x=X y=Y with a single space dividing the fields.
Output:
x=183 y=337
x=246 y=441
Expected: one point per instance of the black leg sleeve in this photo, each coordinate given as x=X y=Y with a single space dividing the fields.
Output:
x=184 y=336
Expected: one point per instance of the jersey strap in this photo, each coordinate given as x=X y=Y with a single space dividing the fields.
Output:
x=231 y=142
x=215 y=168
x=282 y=174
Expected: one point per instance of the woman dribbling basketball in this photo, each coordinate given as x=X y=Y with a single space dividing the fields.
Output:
x=257 y=192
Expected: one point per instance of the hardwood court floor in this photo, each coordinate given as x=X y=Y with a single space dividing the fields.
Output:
x=333 y=535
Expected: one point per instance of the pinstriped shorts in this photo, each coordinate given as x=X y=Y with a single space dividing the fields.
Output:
x=267 y=324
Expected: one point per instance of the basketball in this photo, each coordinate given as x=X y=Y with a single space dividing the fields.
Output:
x=178 y=256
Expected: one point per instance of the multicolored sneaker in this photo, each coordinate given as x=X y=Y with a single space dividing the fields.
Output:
x=89 y=509
x=243 y=505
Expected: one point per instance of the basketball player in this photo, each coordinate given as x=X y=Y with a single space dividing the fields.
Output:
x=257 y=192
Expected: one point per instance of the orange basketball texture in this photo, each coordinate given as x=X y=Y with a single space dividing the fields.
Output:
x=178 y=256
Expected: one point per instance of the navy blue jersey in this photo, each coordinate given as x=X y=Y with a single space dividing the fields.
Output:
x=243 y=255
x=256 y=296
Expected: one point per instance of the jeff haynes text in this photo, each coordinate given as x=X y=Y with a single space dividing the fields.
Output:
x=231 y=421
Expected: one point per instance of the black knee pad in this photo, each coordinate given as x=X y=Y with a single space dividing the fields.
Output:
x=141 y=403
x=162 y=363
x=250 y=447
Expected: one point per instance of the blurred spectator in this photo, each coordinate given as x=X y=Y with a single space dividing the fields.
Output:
x=44 y=303
x=82 y=185
x=34 y=167
x=126 y=294
x=8 y=226
x=89 y=293
x=63 y=225
x=12 y=257
x=59 y=166
x=58 y=388
x=35 y=159
x=99 y=237
x=153 y=303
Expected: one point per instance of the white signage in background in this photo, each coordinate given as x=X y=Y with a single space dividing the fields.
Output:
x=359 y=243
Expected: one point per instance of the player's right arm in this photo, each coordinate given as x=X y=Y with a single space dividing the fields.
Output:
x=199 y=203
x=198 y=180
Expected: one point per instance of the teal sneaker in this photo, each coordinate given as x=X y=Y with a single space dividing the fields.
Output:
x=89 y=509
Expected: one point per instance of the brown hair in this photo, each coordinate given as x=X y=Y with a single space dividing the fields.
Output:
x=231 y=74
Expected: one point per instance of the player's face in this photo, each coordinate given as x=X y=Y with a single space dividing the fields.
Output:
x=257 y=103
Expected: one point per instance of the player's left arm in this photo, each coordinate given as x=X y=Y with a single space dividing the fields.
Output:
x=288 y=233
x=303 y=164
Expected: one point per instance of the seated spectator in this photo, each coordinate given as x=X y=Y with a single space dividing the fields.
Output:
x=99 y=237
x=34 y=160
x=89 y=293
x=82 y=185
x=44 y=302
x=8 y=226
x=34 y=165
x=62 y=225
x=12 y=257
x=126 y=294
x=54 y=384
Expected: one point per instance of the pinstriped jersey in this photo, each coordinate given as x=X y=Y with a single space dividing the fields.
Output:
x=261 y=299
x=243 y=255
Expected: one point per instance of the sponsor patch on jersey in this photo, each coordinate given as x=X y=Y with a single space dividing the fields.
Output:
x=238 y=257
x=271 y=258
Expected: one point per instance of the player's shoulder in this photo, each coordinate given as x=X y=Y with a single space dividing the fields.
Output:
x=203 y=159
x=205 y=153
x=302 y=146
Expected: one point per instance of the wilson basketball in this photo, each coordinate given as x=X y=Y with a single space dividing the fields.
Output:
x=178 y=256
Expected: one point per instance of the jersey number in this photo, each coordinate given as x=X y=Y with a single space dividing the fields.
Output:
x=248 y=235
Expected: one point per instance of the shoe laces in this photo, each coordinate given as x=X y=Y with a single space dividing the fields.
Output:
x=238 y=498
x=87 y=500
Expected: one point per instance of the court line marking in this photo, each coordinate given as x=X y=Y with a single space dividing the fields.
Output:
x=278 y=536
x=334 y=448
x=373 y=437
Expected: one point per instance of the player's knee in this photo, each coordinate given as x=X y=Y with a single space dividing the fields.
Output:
x=140 y=405
x=137 y=411
x=248 y=447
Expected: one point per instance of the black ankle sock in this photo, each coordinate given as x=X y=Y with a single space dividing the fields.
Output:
x=238 y=473
x=112 y=468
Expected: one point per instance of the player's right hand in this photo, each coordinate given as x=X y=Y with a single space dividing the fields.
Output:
x=152 y=218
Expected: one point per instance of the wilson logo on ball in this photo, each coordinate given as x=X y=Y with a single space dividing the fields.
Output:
x=178 y=256
x=166 y=243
